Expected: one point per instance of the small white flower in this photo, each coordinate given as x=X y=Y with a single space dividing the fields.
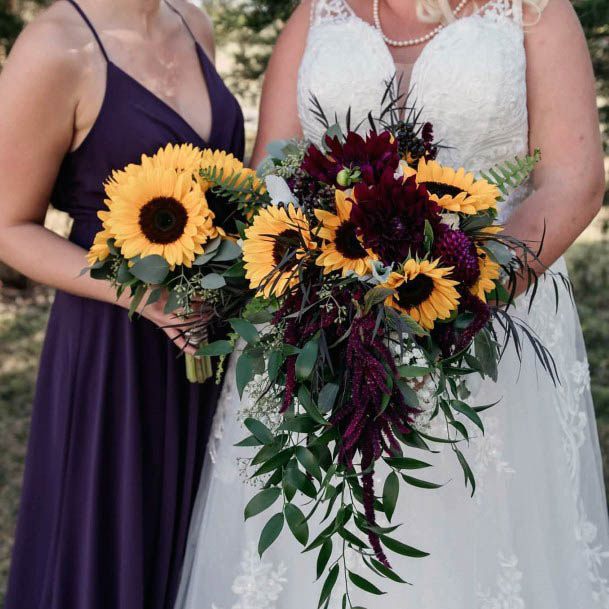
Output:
x=279 y=190
x=380 y=272
x=451 y=220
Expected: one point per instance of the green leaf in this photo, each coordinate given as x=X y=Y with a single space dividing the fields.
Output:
x=297 y=523
x=294 y=477
x=364 y=584
x=249 y=442
x=124 y=274
x=325 y=553
x=469 y=412
x=136 y=299
x=391 y=490
x=301 y=423
x=304 y=397
x=327 y=397
x=213 y=281
x=172 y=303
x=261 y=502
x=219 y=347
x=401 y=548
x=275 y=462
x=329 y=584
x=411 y=372
x=227 y=251
x=244 y=372
x=270 y=533
x=460 y=428
x=154 y=296
x=275 y=361
x=151 y=269
x=235 y=271
x=245 y=329
x=429 y=236
x=386 y=572
x=260 y=431
x=308 y=461
x=408 y=393
x=420 y=483
x=375 y=296
x=407 y=463
x=486 y=353
x=467 y=471
x=306 y=360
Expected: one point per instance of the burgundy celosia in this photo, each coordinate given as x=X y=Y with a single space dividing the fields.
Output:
x=371 y=156
x=456 y=249
x=390 y=217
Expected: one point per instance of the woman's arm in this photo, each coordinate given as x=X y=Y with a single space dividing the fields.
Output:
x=40 y=90
x=278 y=107
x=570 y=180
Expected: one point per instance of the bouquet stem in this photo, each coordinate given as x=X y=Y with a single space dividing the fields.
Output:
x=198 y=368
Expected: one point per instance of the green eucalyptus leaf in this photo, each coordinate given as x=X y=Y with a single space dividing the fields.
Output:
x=407 y=463
x=213 y=281
x=420 y=483
x=172 y=303
x=469 y=412
x=413 y=372
x=327 y=397
x=323 y=558
x=275 y=361
x=329 y=584
x=245 y=329
x=227 y=251
x=308 y=460
x=151 y=269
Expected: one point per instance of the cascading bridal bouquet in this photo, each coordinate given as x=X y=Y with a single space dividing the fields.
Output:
x=382 y=282
x=160 y=240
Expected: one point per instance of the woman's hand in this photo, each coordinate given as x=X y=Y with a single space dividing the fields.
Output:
x=177 y=327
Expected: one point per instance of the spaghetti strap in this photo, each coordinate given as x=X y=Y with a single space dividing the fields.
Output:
x=90 y=26
x=179 y=14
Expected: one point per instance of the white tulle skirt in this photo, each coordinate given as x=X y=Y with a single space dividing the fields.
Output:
x=534 y=536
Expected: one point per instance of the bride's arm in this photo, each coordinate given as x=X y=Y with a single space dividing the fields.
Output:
x=278 y=106
x=570 y=180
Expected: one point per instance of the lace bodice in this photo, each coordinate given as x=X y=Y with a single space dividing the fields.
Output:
x=469 y=81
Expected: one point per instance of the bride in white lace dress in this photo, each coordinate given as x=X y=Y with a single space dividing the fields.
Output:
x=535 y=536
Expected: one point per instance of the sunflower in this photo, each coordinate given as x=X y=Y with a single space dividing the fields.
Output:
x=159 y=211
x=423 y=292
x=228 y=166
x=99 y=251
x=274 y=243
x=456 y=190
x=489 y=273
x=342 y=250
x=181 y=158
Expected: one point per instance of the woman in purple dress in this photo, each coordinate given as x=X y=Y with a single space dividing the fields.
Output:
x=118 y=435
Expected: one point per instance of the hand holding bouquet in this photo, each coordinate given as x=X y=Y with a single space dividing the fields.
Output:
x=160 y=240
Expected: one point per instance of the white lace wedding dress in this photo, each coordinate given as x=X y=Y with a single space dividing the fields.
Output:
x=535 y=536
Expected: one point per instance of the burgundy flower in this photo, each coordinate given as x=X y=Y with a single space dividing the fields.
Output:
x=390 y=217
x=372 y=156
x=456 y=249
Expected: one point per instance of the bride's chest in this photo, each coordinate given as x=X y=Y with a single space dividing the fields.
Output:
x=470 y=82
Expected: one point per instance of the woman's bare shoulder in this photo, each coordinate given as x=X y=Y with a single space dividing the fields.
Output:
x=199 y=22
x=56 y=46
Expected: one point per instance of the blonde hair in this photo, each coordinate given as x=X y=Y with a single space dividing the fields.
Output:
x=439 y=11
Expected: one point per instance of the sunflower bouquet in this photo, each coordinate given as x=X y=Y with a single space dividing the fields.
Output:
x=160 y=239
x=382 y=282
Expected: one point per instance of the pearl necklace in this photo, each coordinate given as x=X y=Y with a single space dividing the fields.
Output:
x=413 y=41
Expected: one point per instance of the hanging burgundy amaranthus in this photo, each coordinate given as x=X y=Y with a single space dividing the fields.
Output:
x=365 y=423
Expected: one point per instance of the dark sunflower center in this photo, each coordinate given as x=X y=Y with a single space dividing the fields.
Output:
x=163 y=220
x=347 y=242
x=412 y=293
x=441 y=190
x=285 y=242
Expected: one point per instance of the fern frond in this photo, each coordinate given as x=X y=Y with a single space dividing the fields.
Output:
x=510 y=175
x=243 y=188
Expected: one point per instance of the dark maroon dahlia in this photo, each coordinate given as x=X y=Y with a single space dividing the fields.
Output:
x=390 y=217
x=456 y=249
x=371 y=156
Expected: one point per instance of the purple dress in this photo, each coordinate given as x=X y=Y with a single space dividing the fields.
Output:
x=118 y=435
